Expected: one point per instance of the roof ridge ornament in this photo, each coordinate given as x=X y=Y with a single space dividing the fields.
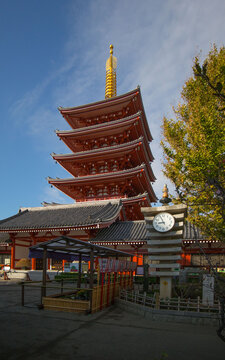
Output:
x=110 y=85
x=165 y=198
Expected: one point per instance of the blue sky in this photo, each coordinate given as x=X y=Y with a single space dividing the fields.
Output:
x=53 y=53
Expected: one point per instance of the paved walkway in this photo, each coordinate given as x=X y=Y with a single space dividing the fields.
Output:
x=31 y=334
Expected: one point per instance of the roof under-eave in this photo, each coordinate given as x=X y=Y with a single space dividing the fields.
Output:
x=72 y=161
x=117 y=176
x=65 y=247
x=110 y=127
x=104 y=151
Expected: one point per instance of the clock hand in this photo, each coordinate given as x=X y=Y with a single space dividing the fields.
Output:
x=163 y=222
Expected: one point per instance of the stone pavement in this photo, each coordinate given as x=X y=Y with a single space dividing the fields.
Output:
x=31 y=334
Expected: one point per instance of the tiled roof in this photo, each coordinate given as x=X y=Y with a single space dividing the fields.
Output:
x=136 y=230
x=132 y=119
x=123 y=231
x=99 y=103
x=64 y=216
x=99 y=150
x=135 y=198
x=191 y=232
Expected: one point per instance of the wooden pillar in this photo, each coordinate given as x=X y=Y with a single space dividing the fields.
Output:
x=91 y=269
x=114 y=286
x=63 y=263
x=49 y=264
x=79 y=272
x=33 y=260
x=44 y=272
x=91 y=276
x=33 y=264
x=108 y=287
x=12 y=252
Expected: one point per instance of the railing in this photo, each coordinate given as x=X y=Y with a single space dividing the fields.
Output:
x=51 y=285
x=99 y=296
x=175 y=304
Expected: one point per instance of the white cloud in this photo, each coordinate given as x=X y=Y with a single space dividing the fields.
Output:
x=51 y=194
x=155 y=42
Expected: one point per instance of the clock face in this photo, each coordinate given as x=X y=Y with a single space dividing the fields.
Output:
x=163 y=222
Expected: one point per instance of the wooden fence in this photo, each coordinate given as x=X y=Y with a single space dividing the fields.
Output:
x=63 y=297
x=176 y=304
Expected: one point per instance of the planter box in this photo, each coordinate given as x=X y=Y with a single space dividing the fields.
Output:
x=59 y=304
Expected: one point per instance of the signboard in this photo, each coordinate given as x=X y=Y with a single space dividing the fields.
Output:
x=112 y=265
x=71 y=267
x=140 y=270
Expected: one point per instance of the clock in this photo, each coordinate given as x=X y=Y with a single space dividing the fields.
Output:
x=163 y=222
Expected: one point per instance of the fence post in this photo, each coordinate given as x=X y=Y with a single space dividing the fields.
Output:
x=144 y=298
x=61 y=286
x=157 y=301
x=22 y=293
x=178 y=304
x=188 y=303
x=198 y=304
x=42 y=293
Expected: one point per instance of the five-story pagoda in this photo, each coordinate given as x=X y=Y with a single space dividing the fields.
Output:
x=110 y=155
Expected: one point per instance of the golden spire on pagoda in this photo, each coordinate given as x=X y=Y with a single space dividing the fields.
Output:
x=110 y=84
x=165 y=191
x=165 y=198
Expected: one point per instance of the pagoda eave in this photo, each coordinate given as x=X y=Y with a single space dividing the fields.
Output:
x=74 y=115
x=79 y=163
x=122 y=122
x=122 y=131
x=135 y=181
x=99 y=177
x=103 y=104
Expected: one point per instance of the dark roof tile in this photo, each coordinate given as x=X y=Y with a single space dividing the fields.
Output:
x=136 y=230
x=74 y=215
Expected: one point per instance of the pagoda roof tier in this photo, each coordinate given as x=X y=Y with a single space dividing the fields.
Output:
x=129 y=155
x=131 y=182
x=105 y=110
x=88 y=215
x=98 y=136
x=136 y=199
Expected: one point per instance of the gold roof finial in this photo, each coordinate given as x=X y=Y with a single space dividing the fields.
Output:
x=165 y=191
x=165 y=198
x=110 y=85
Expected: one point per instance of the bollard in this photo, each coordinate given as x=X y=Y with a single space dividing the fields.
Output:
x=22 y=294
x=61 y=286
x=157 y=301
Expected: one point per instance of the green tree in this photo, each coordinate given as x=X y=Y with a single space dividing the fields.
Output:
x=194 y=145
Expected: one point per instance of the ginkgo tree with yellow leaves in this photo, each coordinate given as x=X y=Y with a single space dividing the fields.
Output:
x=194 y=145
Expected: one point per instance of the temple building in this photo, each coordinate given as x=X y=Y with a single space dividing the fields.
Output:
x=110 y=179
